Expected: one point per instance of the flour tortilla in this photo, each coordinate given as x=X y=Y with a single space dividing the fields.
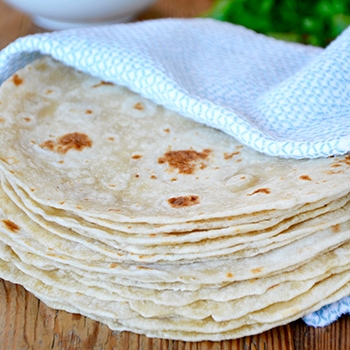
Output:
x=119 y=316
x=213 y=272
x=61 y=240
x=123 y=172
x=125 y=212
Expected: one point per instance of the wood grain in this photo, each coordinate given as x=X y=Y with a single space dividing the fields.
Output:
x=27 y=323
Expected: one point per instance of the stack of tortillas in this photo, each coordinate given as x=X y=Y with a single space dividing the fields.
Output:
x=120 y=210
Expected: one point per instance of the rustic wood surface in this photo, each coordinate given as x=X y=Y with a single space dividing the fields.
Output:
x=27 y=323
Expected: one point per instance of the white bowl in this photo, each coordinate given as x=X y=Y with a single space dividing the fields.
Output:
x=62 y=14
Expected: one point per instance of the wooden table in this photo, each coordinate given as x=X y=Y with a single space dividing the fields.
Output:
x=27 y=323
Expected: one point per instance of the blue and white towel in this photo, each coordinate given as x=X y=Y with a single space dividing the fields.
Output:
x=281 y=99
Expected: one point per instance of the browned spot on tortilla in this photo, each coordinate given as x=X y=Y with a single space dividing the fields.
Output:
x=335 y=228
x=260 y=190
x=111 y=138
x=17 y=80
x=345 y=160
x=144 y=268
x=113 y=209
x=2 y=120
x=49 y=144
x=231 y=155
x=153 y=177
x=88 y=111
x=49 y=91
x=63 y=144
x=26 y=119
x=305 y=177
x=137 y=175
x=139 y=106
x=166 y=130
x=256 y=270
x=333 y=172
x=185 y=161
x=113 y=265
x=229 y=275
x=183 y=201
x=11 y=225
x=136 y=156
x=102 y=83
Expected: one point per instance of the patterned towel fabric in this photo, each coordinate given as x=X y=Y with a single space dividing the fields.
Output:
x=279 y=98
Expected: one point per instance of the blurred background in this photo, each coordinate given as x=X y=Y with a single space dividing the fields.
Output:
x=314 y=22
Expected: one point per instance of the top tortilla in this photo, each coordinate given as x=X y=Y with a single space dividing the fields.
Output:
x=75 y=143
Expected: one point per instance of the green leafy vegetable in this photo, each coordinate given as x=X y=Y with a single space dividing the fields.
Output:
x=315 y=22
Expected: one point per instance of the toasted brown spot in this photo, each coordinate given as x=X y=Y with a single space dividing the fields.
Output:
x=136 y=156
x=49 y=91
x=2 y=120
x=335 y=228
x=111 y=138
x=183 y=201
x=137 y=175
x=17 y=80
x=305 y=177
x=231 y=155
x=256 y=270
x=166 y=130
x=144 y=268
x=11 y=225
x=61 y=161
x=102 y=83
x=26 y=119
x=153 y=177
x=185 y=161
x=260 y=190
x=49 y=144
x=114 y=210
x=67 y=142
x=139 y=106
x=333 y=172
x=88 y=111
x=229 y=275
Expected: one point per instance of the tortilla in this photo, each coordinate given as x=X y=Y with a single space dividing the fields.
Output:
x=128 y=213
